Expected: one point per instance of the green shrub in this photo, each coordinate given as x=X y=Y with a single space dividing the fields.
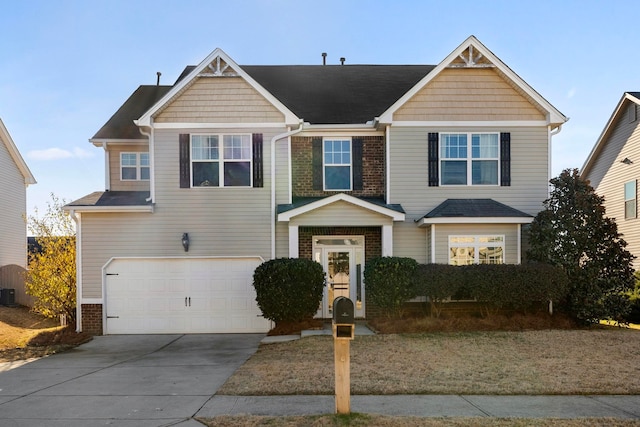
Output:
x=500 y=286
x=288 y=289
x=391 y=282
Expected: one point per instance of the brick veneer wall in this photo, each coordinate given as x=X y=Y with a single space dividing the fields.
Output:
x=92 y=319
x=372 y=248
x=373 y=168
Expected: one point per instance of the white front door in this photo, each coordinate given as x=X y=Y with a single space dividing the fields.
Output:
x=343 y=265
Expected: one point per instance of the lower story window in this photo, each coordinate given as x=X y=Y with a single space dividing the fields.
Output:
x=465 y=250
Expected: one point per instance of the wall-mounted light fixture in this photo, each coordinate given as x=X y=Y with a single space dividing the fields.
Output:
x=626 y=161
x=185 y=241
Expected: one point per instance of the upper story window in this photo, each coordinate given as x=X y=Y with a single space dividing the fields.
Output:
x=134 y=166
x=469 y=158
x=630 y=205
x=337 y=164
x=221 y=160
x=465 y=250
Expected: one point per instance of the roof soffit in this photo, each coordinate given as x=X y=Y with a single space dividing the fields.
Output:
x=473 y=54
x=217 y=65
x=604 y=135
x=288 y=215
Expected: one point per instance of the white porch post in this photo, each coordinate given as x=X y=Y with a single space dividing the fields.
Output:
x=387 y=240
x=293 y=241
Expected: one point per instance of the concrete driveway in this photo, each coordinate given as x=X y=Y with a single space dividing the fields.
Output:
x=147 y=380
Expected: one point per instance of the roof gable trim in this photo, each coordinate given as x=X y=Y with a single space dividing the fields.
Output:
x=288 y=215
x=217 y=64
x=472 y=53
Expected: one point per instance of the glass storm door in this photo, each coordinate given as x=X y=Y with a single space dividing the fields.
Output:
x=342 y=258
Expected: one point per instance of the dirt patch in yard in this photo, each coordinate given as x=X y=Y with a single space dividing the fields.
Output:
x=25 y=335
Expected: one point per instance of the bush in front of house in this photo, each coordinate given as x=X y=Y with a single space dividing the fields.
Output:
x=391 y=282
x=499 y=286
x=288 y=289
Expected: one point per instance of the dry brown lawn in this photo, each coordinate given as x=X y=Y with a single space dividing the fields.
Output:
x=25 y=335
x=597 y=361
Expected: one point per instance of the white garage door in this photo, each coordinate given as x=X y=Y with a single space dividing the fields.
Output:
x=181 y=295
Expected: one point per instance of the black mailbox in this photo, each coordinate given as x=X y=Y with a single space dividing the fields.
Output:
x=343 y=318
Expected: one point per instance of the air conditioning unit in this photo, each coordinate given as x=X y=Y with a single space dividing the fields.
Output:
x=8 y=297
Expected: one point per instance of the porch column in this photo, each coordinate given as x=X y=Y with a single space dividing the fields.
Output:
x=387 y=240
x=293 y=241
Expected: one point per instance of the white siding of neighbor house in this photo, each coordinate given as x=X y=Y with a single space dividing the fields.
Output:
x=608 y=176
x=13 y=199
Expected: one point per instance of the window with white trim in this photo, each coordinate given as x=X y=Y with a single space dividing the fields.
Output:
x=469 y=158
x=134 y=166
x=465 y=250
x=630 y=204
x=221 y=160
x=336 y=154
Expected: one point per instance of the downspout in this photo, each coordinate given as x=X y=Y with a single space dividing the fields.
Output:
x=76 y=219
x=273 y=182
x=152 y=185
x=551 y=135
x=107 y=173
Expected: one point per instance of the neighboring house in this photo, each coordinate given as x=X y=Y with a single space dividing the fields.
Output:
x=233 y=165
x=613 y=168
x=15 y=177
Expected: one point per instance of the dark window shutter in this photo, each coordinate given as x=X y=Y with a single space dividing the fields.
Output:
x=185 y=161
x=316 y=159
x=433 y=159
x=258 y=169
x=505 y=159
x=356 y=148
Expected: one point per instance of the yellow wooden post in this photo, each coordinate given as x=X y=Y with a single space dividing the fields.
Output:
x=343 y=375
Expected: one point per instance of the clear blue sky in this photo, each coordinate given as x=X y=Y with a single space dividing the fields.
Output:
x=66 y=66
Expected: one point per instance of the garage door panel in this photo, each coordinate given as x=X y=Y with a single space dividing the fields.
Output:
x=182 y=295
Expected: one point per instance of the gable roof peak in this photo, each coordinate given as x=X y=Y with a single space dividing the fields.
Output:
x=6 y=139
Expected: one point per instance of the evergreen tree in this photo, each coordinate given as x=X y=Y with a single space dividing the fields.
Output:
x=573 y=232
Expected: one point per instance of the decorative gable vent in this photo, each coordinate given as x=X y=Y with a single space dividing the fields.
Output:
x=218 y=68
x=471 y=58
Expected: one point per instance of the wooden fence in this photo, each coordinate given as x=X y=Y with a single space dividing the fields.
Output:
x=12 y=277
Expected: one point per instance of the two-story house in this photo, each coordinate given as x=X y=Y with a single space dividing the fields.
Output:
x=15 y=177
x=233 y=165
x=613 y=168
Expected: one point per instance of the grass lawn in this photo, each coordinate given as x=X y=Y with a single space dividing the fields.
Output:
x=25 y=335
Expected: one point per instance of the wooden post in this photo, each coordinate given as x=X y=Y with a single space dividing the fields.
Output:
x=343 y=375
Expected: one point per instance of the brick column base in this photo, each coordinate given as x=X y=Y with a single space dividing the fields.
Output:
x=92 y=319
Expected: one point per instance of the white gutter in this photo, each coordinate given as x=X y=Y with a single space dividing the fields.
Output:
x=107 y=173
x=550 y=154
x=152 y=184
x=273 y=182
x=76 y=219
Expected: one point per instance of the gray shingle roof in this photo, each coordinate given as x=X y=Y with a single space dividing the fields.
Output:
x=474 y=208
x=319 y=94
x=302 y=201
x=113 y=198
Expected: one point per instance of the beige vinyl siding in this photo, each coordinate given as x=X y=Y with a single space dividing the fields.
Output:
x=282 y=171
x=13 y=196
x=410 y=241
x=467 y=94
x=341 y=214
x=282 y=239
x=443 y=231
x=623 y=141
x=409 y=175
x=117 y=184
x=220 y=100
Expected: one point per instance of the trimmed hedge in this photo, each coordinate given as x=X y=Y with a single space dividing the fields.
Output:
x=500 y=286
x=288 y=289
x=391 y=281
